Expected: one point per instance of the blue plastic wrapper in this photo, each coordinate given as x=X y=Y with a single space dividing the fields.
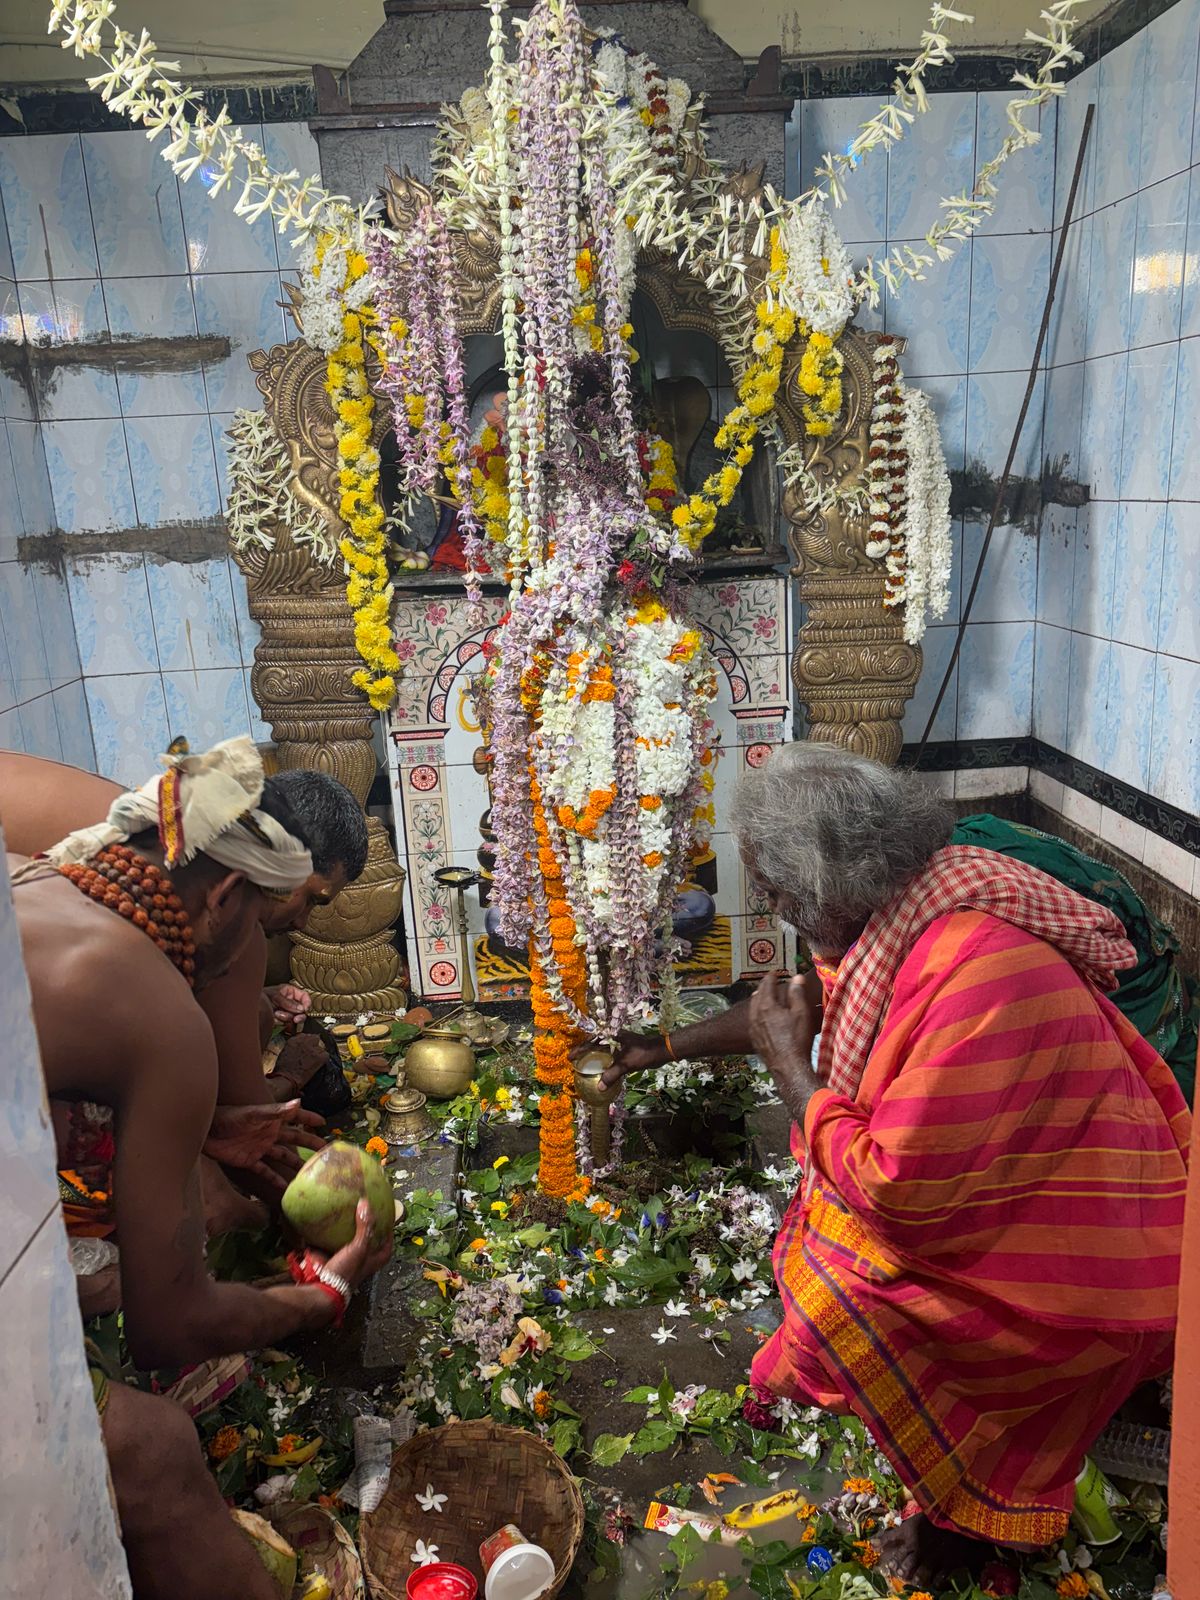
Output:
x=818 y=1559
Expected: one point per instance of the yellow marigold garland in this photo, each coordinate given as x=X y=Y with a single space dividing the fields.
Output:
x=368 y=584
x=757 y=390
x=821 y=379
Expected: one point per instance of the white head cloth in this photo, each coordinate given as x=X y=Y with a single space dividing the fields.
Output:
x=206 y=805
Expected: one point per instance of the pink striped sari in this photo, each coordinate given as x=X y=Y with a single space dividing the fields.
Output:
x=983 y=1262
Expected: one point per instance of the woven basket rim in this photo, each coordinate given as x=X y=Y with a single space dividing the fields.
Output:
x=496 y=1432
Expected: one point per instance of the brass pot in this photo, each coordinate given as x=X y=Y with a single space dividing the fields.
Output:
x=440 y=1064
x=589 y=1077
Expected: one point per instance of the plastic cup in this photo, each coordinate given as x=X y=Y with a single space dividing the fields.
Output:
x=1094 y=1500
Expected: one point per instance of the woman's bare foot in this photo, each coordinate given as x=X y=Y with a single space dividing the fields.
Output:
x=921 y=1553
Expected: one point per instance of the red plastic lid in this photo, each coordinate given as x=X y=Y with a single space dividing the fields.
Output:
x=442 y=1580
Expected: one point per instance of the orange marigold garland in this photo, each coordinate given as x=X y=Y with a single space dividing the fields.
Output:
x=555 y=1038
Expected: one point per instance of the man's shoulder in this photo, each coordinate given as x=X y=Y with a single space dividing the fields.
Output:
x=116 y=969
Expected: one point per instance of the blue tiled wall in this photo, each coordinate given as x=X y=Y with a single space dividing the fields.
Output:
x=1086 y=636
x=1117 y=672
x=971 y=328
x=104 y=241
x=43 y=708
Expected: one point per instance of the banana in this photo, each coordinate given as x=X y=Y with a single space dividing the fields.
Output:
x=758 y=1513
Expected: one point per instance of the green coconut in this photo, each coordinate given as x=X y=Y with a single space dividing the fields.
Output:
x=321 y=1199
x=275 y=1553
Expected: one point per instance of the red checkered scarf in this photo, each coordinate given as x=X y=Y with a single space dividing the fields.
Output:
x=958 y=878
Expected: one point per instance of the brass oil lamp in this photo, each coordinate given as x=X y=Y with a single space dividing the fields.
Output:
x=468 y=1022
x=403 y=1119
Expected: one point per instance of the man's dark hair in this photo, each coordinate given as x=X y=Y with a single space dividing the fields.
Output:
x=323 y=815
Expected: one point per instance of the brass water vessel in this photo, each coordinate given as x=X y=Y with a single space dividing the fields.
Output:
x=441 y=1063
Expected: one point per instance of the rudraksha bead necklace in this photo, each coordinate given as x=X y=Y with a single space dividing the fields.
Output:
x=136 y=889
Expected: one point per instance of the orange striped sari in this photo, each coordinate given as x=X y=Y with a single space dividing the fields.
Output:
x=983 y=1261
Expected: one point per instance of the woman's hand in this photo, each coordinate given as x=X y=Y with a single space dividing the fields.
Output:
x=358 y=1260
x=290 y=1004
x=783 y=1028
x=250 y=1136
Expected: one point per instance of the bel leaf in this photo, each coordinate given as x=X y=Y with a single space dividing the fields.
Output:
x=565 y=1435
x=610 y=1448
x=653 y=1436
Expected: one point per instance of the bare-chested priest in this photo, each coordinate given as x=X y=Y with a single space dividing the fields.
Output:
x=43 y=801
x=116 y=927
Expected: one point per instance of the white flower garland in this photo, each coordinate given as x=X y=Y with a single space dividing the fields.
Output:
x=926 y=527
x=260 y=491
x=673 y=674
x=328 y=291
x=136 y=84
x=816 y=282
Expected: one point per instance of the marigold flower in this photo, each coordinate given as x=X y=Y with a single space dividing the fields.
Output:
x=1072 y=1587
x=376 y=1146
x=224 y=1443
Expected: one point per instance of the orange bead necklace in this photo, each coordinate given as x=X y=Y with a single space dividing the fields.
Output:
x=136 y=889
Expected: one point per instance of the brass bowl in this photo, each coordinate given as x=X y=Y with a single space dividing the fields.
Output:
x=439 y=1064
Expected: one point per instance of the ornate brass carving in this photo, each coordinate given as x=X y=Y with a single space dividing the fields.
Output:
x=301 y=681
x=853 y=671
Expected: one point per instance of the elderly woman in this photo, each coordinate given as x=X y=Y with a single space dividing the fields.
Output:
x=983 y=1256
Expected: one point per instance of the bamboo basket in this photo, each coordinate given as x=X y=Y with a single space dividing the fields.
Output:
x=491 y=1475
x=322 y=1544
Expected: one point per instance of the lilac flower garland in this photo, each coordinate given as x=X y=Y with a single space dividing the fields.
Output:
x=458 y=417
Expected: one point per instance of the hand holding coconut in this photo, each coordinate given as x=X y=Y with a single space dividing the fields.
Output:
x=341 y=1204
x=361 y=1259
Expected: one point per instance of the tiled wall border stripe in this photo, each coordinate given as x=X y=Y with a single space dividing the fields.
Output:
x=39 y=110
x=1156 y=816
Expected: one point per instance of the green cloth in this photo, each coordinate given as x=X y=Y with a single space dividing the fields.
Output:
x=1154 y=995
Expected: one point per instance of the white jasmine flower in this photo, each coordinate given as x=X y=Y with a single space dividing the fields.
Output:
x=662 y=1333
x=424 y=1555
x=675 y=1308
x=431 y=1500
x=743 y=1269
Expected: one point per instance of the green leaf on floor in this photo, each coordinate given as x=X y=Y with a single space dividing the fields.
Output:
x=610 y=1448
x=653 y=1436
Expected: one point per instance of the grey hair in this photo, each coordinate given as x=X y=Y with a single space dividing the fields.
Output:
x=836 y=835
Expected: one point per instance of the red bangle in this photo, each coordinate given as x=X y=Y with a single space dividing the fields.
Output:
x=303 y=1267
x=338 y=1298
